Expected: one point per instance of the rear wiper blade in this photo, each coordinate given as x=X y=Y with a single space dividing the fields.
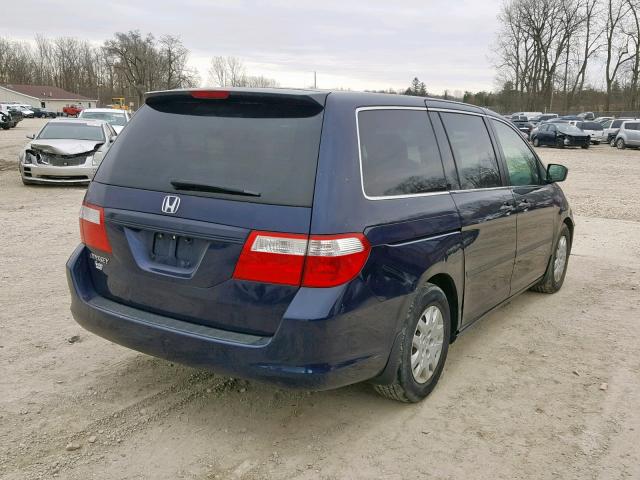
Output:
x=203 y=187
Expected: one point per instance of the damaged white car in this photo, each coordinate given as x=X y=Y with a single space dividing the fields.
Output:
x=65 y=151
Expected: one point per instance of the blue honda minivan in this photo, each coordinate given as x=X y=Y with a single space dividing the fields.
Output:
x=313 y=239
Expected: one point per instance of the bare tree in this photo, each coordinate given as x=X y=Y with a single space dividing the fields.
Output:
x=633 y=33
x=231 y=72
x=617 y=43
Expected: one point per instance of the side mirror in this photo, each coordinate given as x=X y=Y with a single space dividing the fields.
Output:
x=31 y=136
x=556 y=173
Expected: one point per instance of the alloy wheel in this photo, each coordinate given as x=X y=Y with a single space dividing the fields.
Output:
x=560 y=261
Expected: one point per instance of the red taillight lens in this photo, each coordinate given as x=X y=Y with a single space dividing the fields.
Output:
x=291 y=259
x=334 y=259
x=272 y=258
x=210 y=94
x=93 y=231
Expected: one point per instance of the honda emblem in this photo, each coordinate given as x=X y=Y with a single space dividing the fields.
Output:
x=170 y=204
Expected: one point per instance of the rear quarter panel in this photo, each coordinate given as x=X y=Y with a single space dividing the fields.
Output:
x=412 y=239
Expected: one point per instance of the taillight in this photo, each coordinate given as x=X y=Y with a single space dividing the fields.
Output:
x=292 y=259
x=334 y=259
x=93 y=231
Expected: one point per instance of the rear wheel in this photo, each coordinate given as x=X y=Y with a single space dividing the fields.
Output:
x=557 y=267
x=620 y=144
x=596 y=143
x=612 y=142
x=536 y=142
x=559 y=143
x=585 y=146
x=424 y=343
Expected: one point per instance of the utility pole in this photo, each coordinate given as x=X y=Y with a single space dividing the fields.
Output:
x=315 y=84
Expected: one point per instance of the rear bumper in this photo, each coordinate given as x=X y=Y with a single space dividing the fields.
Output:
x=310 y=353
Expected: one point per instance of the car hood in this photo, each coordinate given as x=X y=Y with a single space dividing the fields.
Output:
x=65 y=146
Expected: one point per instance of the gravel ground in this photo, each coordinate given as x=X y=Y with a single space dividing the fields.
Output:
x=547 y=387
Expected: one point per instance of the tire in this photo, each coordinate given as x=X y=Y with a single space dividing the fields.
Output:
x=620 y=145
x=429 y=301
x=536 y=142
x=559 y=144
x=552 y=282
x=585 y=146
x=612 y=142
x=596 y=143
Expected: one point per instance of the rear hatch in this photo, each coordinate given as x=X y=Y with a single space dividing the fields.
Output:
x=183 y=186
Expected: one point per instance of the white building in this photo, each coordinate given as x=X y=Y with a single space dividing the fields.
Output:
x=51 y=98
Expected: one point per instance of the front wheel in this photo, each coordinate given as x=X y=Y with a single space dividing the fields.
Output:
x=424 y=343
x=536 y=142
x=557 y=267
x=620 y=145
x=585 y=146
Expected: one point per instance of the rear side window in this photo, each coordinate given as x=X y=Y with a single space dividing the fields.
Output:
x=472 y=150
x=399 y=153
x=591 y=126
x=269 y=148
x=522 y=165
x=631 y=126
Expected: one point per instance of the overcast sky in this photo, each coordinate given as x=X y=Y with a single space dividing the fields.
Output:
x=355 y=44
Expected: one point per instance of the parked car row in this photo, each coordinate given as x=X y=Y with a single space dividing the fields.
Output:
x=620 y=133
x=576 y=130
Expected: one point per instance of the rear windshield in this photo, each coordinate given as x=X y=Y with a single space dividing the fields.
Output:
x=267 y=148
x=568 y=129
x=71 y=130
x=114 y=118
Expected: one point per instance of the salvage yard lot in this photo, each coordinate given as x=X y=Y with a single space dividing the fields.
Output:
x=546 y=387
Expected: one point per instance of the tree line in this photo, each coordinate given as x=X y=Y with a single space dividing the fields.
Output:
x=127 y=65
x=567 y=54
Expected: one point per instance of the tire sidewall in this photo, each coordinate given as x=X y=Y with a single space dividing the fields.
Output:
x=536 y=142
x=429 y=295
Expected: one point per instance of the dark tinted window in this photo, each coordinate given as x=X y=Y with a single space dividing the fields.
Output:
x=269 y=148
x=472 y=150
x=72 y=130
x=631 y=126
x=617 y=123
x=522 y=165
x=399 y=153
x=590 y=126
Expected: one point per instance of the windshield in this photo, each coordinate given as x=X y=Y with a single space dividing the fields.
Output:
x=72 y=131
x=114 y=118
x=270 y=148
x=569 y=129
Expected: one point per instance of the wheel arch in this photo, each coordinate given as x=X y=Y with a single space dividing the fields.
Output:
x=446 y=283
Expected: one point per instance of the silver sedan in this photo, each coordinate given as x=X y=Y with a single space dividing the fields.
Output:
x=65 y=151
